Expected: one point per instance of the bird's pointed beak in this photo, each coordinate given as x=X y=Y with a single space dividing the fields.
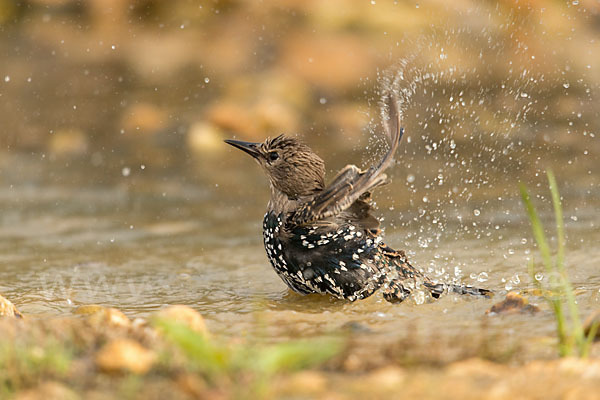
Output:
x=248 y=147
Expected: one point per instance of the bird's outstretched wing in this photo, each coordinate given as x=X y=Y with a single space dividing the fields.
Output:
x=351 y=182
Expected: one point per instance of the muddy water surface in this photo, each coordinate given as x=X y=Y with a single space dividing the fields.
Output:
x=73 y=234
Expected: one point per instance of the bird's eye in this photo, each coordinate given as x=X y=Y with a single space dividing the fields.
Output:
x=272 y=156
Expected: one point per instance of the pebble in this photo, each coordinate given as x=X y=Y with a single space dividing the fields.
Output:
x=125 y=355
x=8 y=309
x=184 y=315
x=105 y=316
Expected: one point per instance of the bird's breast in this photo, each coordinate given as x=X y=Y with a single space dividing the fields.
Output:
x=343 y=260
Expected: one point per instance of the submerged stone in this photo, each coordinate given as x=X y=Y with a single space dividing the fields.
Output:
x=512 y=304
x=103 y=315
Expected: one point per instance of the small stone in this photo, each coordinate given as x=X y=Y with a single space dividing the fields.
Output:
x=184 y=315
x=103 y=316
x=512 y=304
x=323 y=60
x=125 y=355
x=88 y=309
x=144 y=118
x=386 y=378
x=192 y=384
x=205 y=138
x=8 y=309
x=68 y=142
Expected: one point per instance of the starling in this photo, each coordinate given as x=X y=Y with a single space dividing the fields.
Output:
x=325 y=239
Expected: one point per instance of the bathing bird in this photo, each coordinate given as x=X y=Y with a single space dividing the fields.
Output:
x=324 y=238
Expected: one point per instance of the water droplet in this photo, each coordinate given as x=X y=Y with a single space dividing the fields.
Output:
x=7 y=78
x=457 y=272
x=482 y=277
x=206 y=80
x=126 y=171
x=323 y=100
x=410 y=178
x=476 y=212
x=566 y=85
x=419 y=297
x=523 y=94
x=425 y=199
x=515 y=279
x=113 y=47
x=539 y=276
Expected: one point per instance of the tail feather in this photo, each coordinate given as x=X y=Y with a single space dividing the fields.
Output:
x=438 y=289
x=401 y=279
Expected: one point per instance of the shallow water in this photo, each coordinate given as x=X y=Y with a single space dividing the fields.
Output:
x=73 y=234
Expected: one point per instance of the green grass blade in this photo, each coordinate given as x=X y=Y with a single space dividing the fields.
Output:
x=537 y=228
x=558 y=216
x=201 y=351
x=296 y=355
x=556 y=285
x=578 y=334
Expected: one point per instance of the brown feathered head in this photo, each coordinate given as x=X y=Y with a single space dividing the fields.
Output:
x=292 y=167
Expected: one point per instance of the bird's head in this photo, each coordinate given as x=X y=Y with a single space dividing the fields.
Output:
x=292 y=167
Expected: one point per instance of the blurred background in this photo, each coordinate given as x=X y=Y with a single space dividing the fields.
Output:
x=113 y=173
x=162 y=82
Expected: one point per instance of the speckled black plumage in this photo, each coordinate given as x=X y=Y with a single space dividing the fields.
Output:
x=325 y=239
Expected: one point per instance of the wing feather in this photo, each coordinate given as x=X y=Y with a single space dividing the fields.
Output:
x=351 y=182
